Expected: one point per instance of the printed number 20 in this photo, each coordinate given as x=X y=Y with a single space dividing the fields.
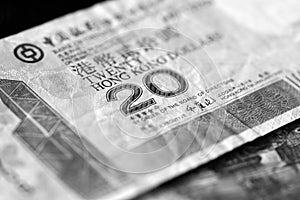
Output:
x=127 y=108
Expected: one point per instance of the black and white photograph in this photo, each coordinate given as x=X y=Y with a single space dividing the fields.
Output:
x=150 y=100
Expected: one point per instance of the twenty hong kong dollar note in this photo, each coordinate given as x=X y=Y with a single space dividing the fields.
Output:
x=111 y=101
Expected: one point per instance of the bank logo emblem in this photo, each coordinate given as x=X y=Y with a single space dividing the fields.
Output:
x=28 y=53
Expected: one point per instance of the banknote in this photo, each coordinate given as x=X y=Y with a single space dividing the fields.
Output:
x=111 y=101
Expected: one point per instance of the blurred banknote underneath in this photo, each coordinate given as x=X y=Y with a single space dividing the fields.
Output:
x=267 y=168
x=112 y=101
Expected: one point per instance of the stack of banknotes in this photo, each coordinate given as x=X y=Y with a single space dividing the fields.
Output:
x=154 y=99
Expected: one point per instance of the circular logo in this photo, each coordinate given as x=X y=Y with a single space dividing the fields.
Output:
x=28 y=53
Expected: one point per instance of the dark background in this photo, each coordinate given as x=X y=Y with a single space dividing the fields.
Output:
x=19 y=15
